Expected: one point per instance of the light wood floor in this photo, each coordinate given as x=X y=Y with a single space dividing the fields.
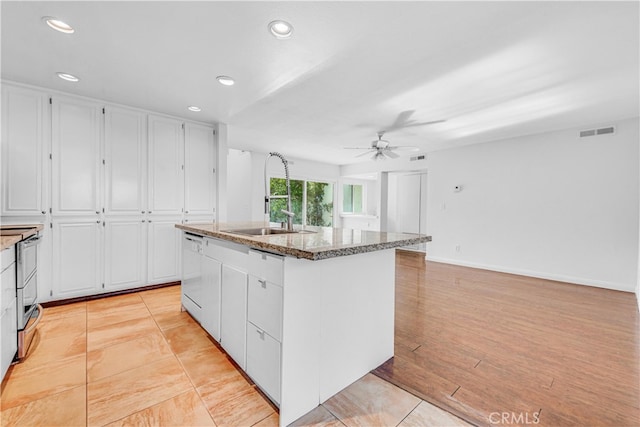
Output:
x=137 y=360
x=501 y=349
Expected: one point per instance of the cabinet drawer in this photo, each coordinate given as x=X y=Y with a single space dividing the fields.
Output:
x=8 y=257
x=265 y=306
x=266 y=266
x=8 y=288
x=9 y=337
x=263 y=361
x=227 y=253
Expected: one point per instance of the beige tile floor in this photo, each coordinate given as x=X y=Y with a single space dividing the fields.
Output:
x=136 y=359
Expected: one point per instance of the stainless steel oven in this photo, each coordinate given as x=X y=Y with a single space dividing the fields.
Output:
x=29 y=311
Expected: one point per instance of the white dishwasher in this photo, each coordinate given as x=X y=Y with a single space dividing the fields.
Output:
x=192 y=274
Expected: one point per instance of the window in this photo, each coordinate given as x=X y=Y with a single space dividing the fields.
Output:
x=352 y=198
x=312 y=202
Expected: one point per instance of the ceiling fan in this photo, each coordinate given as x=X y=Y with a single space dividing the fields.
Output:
x=381 y=149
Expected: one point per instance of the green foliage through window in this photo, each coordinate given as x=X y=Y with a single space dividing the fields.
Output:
x=318 y=208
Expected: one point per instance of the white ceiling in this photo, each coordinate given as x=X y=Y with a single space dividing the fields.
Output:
x=493 y=69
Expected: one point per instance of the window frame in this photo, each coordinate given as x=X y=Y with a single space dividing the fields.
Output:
x=363 y=201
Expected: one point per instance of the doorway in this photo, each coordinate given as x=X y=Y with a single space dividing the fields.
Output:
x=407 y=204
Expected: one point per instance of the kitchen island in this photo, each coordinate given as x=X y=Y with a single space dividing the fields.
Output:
x=305 y=314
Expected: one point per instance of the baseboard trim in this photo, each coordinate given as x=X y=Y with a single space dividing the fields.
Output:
x=539 y=275
x=107 y=294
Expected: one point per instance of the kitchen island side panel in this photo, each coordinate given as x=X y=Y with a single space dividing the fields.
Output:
x=356 y=319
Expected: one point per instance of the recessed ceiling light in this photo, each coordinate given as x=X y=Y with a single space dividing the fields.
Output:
x=194 y=108
x=68 y=77
x=281 y=29
x=58 y=25
x=226 y=80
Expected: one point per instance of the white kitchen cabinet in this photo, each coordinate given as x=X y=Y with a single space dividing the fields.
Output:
x=125 y=253
x=233 y=313
x=77 y=257
x=166 y=163
x=125 y=161
x=8 y=314
x=199 y=156
x=24 y=148
x=164 y=251
x=76 y=144
x=9 y=337
x=211 y=283
x=263 y=360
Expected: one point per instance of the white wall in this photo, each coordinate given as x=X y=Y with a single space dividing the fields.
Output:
x=239 y=182
x=549 y=205
x=638 y=279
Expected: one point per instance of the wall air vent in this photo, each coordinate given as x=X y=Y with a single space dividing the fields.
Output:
x=420 y=157
x=609 y=130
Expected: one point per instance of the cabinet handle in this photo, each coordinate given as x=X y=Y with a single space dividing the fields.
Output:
x=186 y=211
x=142 y=211
x=97 y=212
x=263 y=283
x=261 y=333
x=148 y=211
x=149 y=220
x=44 y=212
x=143 y=220
x=98 y=221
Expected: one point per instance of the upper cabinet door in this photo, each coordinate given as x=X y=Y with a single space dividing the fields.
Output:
x=23 y=148
x=166 y=155
x=125 y=161
x=199 y=151
x=77 y=130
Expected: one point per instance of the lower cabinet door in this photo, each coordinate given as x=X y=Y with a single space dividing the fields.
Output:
x=210 y=317
x=263 y=361
x=77 y=257
x=233 y=313
x=9 y=335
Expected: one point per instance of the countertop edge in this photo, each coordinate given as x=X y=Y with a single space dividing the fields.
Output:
x=312 y=255
x=7 y=241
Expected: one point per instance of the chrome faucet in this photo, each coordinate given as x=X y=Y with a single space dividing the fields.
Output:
x=267 y=192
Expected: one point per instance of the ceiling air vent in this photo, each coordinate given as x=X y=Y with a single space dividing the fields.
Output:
x=420 y=157
x=602 y=131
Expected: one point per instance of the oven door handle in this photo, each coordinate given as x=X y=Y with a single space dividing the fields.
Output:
x=31 y=241
x=35 y=323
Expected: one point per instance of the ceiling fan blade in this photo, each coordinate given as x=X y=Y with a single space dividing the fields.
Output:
x=357 y=148
x=433 y=122
x=365 y=153
x=401 y=120
x=403 y=148
x=391 y=154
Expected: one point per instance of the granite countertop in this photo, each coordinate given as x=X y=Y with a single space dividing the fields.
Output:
x=324 y=243
x=12 y=234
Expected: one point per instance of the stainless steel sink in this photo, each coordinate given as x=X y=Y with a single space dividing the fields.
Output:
x=265 y=231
